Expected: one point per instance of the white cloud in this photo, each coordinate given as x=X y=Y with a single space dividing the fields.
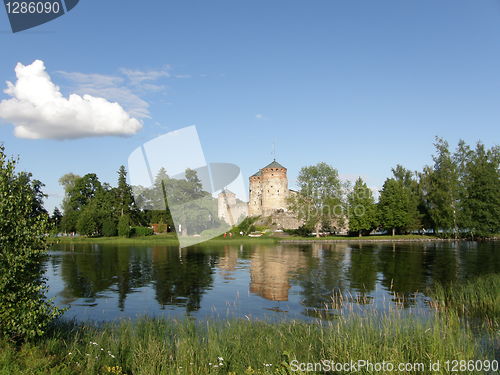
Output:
x=259 y=116
x=108 y=87
x=37 y=108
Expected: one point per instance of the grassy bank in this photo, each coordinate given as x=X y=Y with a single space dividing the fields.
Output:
x=160 y=239
x=160 y=346
x=171 y=239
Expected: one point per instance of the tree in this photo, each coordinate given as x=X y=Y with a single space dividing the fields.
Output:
x=319 y=201
x=411 y=187
x=87 y=223
x=362 y=209
x=109 y=227
x=440 y=187
x=24 y=310
x=481 y=192
x=125 y=198
x=393 y=206
x=124 y=226
x=68 y=221
x=56 y=219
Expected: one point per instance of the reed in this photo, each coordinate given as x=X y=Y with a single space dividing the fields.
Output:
x=161 y=346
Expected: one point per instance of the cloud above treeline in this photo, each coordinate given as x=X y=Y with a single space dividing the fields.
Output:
x=38 y=109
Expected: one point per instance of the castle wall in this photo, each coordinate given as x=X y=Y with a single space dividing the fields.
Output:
x=255 y=197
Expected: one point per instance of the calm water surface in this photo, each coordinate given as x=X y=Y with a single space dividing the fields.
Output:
x=106 y=282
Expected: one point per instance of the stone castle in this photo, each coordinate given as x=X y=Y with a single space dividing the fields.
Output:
x=268 y=195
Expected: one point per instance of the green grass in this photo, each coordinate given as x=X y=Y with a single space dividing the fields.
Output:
x=478 y=298
x=166 y=239
x=160 y=239
x=171 y=239
x=161 y=346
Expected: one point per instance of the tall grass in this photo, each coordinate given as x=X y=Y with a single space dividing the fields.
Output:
x=160 y=346
x=478 y=298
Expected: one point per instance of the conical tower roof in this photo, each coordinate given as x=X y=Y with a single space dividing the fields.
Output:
x=274 y=164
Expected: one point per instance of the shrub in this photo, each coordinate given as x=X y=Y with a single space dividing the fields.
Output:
x=302 y=231
x=124 y=229
x=24 y=311
x=142 y=231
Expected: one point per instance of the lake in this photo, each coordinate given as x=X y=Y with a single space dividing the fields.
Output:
x=107 y=282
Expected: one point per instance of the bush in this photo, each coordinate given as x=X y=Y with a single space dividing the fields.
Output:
x=124 y=229
x=109 y=227
x=142 y=231
x=24 y=311
x=303 y=231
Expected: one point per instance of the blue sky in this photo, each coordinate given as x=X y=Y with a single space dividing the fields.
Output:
x=361 y=85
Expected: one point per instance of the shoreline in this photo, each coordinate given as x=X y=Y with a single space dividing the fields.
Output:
x=172 y=240
x=383 y=240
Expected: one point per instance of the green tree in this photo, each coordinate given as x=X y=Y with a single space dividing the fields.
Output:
x=68 y=221
x=412 y=191
x=24 y=310
x=319 y=201
x=440 y=187
x=481 y=192
x=109 y=227
x=88 y=222
x=124 y=195
x=56 y=219
x=362 y=209
x=393 y=206
x=124 y=226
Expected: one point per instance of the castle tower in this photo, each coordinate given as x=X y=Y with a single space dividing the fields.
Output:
x=274 y=187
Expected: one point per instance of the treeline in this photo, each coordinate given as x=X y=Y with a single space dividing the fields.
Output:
x=457 y=196
x=93 y=208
